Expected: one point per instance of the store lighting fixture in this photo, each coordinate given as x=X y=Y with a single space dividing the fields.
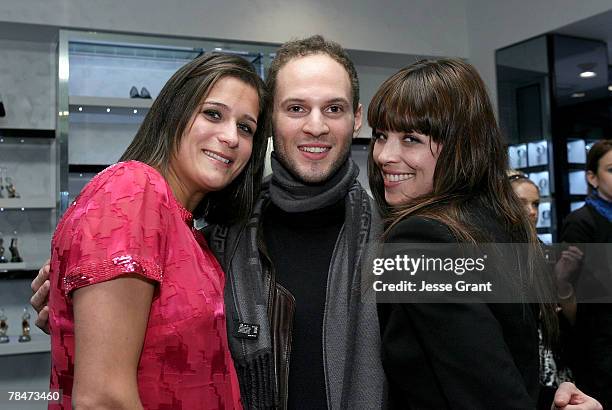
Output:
x=610 y=87
x=80 y=108
x=587 y=70
x=108 y=110
x=135 y=111
x=578 y=95
x=218 y=49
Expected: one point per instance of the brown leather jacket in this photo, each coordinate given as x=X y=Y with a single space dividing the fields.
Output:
x=281 y=312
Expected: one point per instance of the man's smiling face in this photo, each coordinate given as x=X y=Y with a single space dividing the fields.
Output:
x=313 y=118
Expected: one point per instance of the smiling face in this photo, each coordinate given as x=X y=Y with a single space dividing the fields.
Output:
x=529 y=195
x=313 y=118
x=217 y=143
x=407 y=161
x=602 y=180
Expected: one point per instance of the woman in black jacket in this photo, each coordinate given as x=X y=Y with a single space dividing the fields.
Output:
x=437 y=169
x=592 y=224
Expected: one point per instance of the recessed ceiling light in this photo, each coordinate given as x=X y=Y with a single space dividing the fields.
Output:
x=588 y=74
x=578 y=95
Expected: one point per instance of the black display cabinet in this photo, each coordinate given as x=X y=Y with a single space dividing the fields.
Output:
x=554 y=103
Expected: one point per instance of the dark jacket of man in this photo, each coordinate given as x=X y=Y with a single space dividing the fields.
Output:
x=260 y=312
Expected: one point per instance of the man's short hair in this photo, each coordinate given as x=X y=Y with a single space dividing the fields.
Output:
x=310 y=46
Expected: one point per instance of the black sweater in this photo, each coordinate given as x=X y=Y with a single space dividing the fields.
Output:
x=300 y=246
x=592 y=349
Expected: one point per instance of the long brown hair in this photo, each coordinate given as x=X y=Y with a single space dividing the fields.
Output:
x=160 y=134
x=447 y=100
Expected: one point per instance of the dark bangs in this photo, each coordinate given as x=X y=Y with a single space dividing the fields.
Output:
x=408 y=102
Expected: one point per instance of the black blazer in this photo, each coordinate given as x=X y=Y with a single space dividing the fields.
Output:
x=592 y=342
x=458 y=355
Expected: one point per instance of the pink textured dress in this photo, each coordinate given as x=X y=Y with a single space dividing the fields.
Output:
x=126 y=220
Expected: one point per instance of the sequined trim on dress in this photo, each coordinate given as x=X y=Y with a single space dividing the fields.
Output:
x=97 y=272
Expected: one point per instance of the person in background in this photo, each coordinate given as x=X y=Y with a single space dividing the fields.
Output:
x=528 y=193
x=554 y=368
x=136 y=310
x=592 y=224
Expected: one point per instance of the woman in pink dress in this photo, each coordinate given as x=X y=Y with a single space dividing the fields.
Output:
x=136 y=301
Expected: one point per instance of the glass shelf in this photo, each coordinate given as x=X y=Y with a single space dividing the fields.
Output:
x=133 y=50
x=26 y=203
x=26 y=133
x=38 y=344
x=98 y=105
x=13 y=266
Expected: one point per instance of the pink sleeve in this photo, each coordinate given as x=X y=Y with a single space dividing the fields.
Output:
x=117 y=227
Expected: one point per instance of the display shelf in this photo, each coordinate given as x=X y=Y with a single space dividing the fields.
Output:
x=361 y=141
x=577 y=197
x=86 y=168
x=534 y=168
x=26 y=203
x=12 y=266
x=26 y=133
x=576 y=167
x=102 y=104
x=19 y=274
x=38 y=344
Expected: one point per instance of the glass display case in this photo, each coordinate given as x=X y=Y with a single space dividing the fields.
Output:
x=28 y=199
x=577 y=150
x=107 y=83
x=551 y=114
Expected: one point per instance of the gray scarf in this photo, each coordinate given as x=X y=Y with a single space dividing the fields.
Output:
x=292 y=195
x=351 y=335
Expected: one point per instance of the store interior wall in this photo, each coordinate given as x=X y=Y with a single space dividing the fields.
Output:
x=411 y=27
x=471 y=29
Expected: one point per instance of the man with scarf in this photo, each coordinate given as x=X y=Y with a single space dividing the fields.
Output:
x=302 y=333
